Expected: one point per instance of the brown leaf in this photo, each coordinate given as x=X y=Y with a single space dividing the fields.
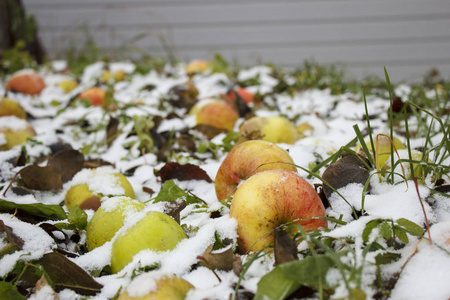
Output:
x=46 y=178
x=112 y=130
x=68 y=162
x=348 y=169
x=183 y=95
x=41 y=283
x=173 y=209
x=284 y=247
x=221 y=259
x=64 y=274
x=174 y=170
x=237 y=265
x=209 y=131
x=12 y=238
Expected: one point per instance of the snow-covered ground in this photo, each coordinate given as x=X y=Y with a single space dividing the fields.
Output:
x=423 y=269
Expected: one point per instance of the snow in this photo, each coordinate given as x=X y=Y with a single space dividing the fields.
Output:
x=425 y=268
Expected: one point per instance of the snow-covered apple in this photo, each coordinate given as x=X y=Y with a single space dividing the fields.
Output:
x=218 y=114
x=109 y=218
x=154 y=231
x=9 y=107
x=14 y=131
x=247 y=159
x=274 y=129
x=89 y=185
x=269 y=199
x=26 y=81
x=156 y=286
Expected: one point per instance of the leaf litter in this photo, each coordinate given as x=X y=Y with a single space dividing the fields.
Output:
x=381 y=253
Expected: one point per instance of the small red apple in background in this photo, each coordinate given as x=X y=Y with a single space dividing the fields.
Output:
x=269 y=199
x=27 y=82
x=245 y=95
x=218 y=114
x=245 y=160
x=95 y=95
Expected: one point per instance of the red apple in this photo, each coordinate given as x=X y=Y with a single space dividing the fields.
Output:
x=218 y=114
x=271 y=198
x=27 y=82
x=247 y=96
x=94 y=95
x=245 y=160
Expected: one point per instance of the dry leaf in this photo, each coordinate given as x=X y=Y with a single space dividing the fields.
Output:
x=68 y=162
x=284 y=247
x=221 y=259
x=43 y=283
x=46 y=178
x=174 y=170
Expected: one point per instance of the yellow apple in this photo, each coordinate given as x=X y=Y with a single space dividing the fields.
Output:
x=26 y=81
x=90 y=185
x=9 y=107
x=269 y=199
x=197 y=106
x=68 y=85
x=246 y=159
x=115 y=76
x=14 y=131
x=382 y=147
x=109 y=218
x=273 y=129
x=156 y=286
x=197 y=66
x=218 y=114
x=156 y=231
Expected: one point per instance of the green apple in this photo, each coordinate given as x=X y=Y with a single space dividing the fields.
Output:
x=155 y=231
x=273 y=129
x=156 y=286
x=272 y=198
x=109 y=218
x=90 y=185
x=9 y=107
x=14 y=131
x=246 y=159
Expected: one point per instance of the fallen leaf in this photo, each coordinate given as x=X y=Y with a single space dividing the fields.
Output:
x=209 y=131
x=12 y=238
x=43 y=283
x=221 y=259
x=346 y=170
x=68 y=162
x=111 y=131
x=45 y=211
x=46 y=178
x=285 y=248
x=174 y=170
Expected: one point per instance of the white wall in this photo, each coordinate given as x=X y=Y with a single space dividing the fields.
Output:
x=407 y=36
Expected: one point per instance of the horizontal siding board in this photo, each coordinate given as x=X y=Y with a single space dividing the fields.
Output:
x=245 y=13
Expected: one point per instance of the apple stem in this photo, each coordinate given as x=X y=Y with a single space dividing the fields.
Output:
x=423 y=209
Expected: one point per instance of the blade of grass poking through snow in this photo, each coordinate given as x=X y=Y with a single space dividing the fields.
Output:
x=391 y=121
x=408 y=144
x=360 y=137
x=369 y=129
x=423 y=209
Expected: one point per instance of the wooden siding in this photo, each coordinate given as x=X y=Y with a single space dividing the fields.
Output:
x=407 y=36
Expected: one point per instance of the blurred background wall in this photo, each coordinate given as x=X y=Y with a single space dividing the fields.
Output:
x=409 y=37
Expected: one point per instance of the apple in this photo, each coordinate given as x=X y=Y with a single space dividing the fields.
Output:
x=245 y=95
x=197 y=66
x=14 y=131
x=156 y=286
x=116 y=76
x=155 y=231
x=94 y=95
x=26 y=81
x=269 y=199
x=109 y=218
x=9 y=107
x=273 y=129
x=89 y=185
x=246 y=159
x=197 y=106
x=382 y=147
x=218 y=114
x=67 y=85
